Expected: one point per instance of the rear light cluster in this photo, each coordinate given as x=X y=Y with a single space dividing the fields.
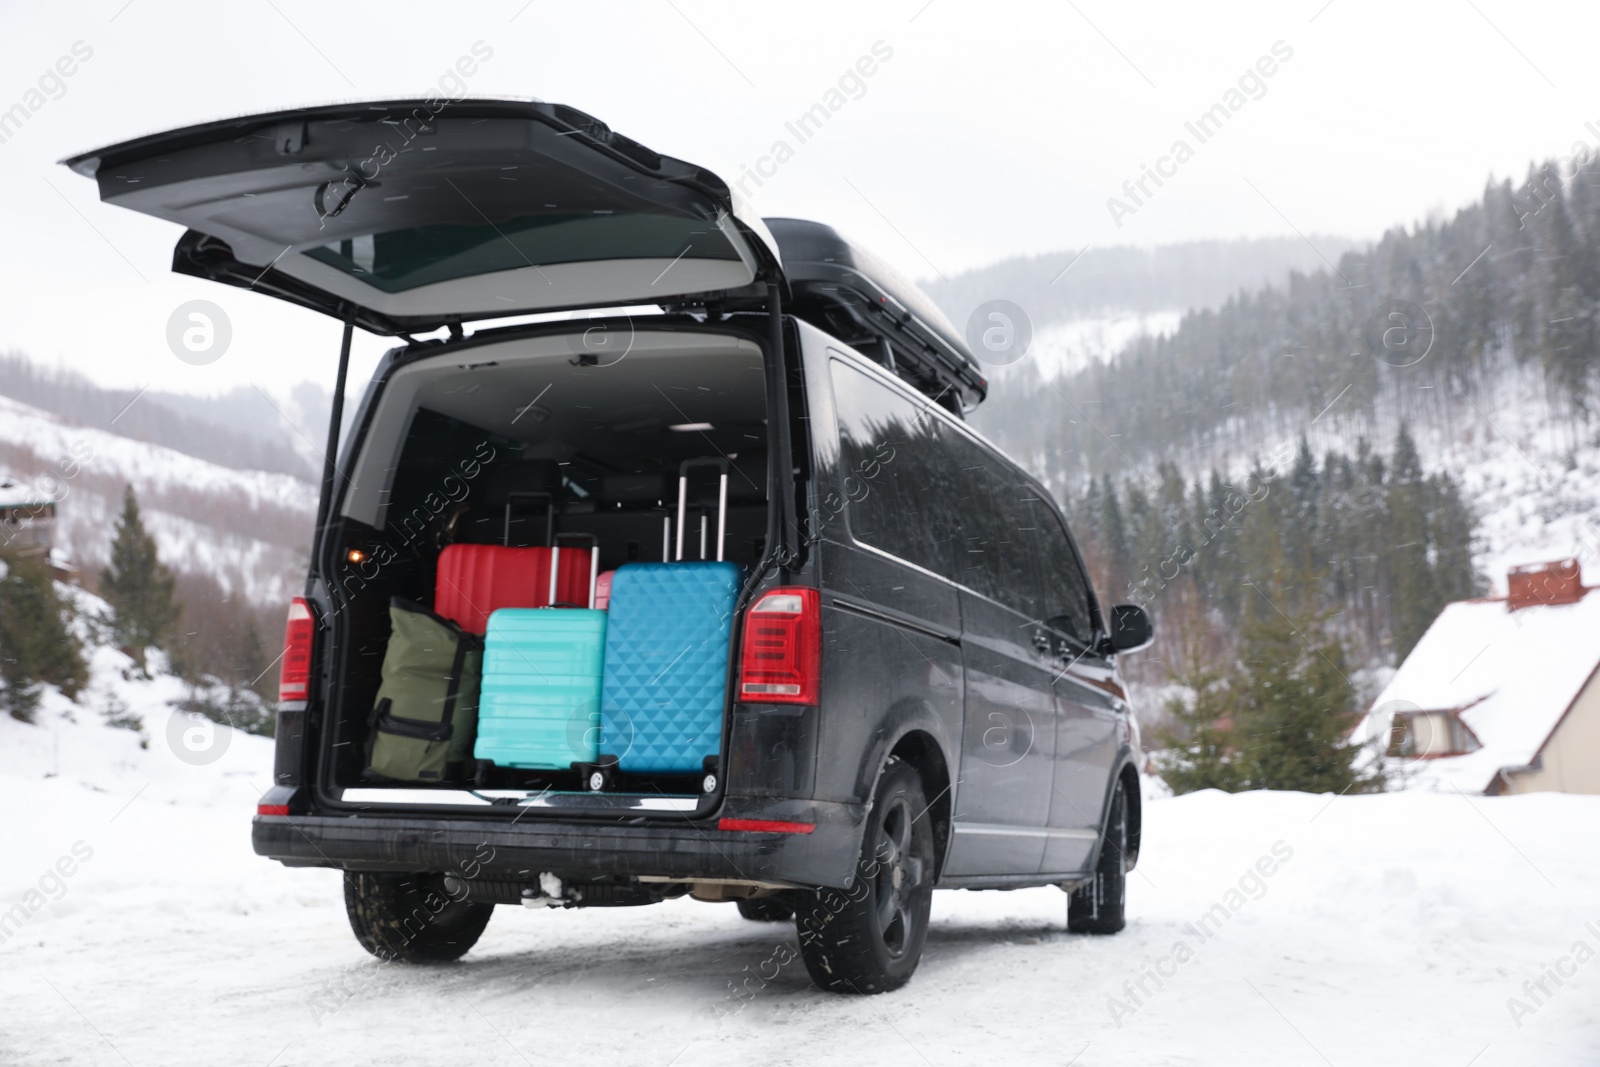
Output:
x=782 y=656
x=294 y=682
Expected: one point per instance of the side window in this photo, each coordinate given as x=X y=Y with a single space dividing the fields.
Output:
x=1069 y=593
x=894 y=471
x=986 y=555
x=997 y=548
x=1011 y=546
x=937 y=498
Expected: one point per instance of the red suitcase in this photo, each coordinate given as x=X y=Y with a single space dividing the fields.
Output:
x=474 y=580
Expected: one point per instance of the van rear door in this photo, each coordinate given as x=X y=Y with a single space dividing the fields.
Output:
x=404 y=216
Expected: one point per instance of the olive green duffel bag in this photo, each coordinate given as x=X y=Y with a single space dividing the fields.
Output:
x=423 y=724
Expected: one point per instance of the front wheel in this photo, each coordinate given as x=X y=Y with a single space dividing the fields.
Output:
x=868 y=938
x=1099 y=906
x=410 y=918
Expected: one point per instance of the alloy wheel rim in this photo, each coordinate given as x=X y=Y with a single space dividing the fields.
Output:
x=898 y=878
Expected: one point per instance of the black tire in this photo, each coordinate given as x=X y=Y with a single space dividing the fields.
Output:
x=1099 y=907
x=767 y=909
x=409 y=918
x=869 y=938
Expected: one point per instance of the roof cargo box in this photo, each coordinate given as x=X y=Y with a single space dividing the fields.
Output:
x=859 y=299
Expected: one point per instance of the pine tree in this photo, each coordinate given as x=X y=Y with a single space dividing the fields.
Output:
x=1222 y=556
x=36 y=645
x=1294 y=707
x=1415 y=602
x=1451 y=524
x=1114 y=538
x=1306 y=488
x=1199 y=742
x=1371 y=540
x=137 y=585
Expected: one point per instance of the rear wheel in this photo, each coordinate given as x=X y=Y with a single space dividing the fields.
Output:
x=868 y=938
x=767 y=909
x=409 y=918
x=1098 y=906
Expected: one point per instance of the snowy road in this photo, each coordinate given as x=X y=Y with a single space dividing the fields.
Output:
x=1391 y=930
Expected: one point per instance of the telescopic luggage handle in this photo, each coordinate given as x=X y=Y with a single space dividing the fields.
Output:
x=549 y=519
x=553 y=539
x=555 y=562
x=722 y=500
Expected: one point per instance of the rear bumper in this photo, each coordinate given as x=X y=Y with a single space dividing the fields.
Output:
x=680 y=850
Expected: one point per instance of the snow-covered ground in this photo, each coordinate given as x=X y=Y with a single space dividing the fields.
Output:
x=136 y=925
x=1390 y=930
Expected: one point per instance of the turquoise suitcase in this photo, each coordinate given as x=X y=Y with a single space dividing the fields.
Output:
x=539 y=707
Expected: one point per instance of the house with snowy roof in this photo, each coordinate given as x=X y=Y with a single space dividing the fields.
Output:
x=27 y=527
x=1501 y=694
x=27 y=518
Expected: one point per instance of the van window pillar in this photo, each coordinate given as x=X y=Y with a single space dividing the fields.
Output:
x=780 y=462
x=330 y=468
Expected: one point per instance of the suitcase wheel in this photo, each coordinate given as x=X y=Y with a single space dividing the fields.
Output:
x=596 y=777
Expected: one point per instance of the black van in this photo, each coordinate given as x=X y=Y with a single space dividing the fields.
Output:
x=950 y=715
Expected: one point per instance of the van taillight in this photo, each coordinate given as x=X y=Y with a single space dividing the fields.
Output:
x=298 y=635
x=782 y=657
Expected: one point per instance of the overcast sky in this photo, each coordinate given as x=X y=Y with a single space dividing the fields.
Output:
x=992 y=128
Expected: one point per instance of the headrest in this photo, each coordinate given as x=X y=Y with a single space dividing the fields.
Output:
x=636 y=489
x=521 y=476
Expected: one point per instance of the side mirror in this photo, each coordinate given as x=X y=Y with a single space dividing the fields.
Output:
x=1131 y=628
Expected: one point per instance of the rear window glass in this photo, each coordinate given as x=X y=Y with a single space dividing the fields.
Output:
x=426 y=255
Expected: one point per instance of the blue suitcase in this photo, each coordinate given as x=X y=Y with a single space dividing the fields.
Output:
x=539 y=704
x=666 y=661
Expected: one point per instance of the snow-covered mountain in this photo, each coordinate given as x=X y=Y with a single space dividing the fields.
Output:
x=1534 y=484
x=1067 y=345
x=1532 y=479
x=248 y=529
